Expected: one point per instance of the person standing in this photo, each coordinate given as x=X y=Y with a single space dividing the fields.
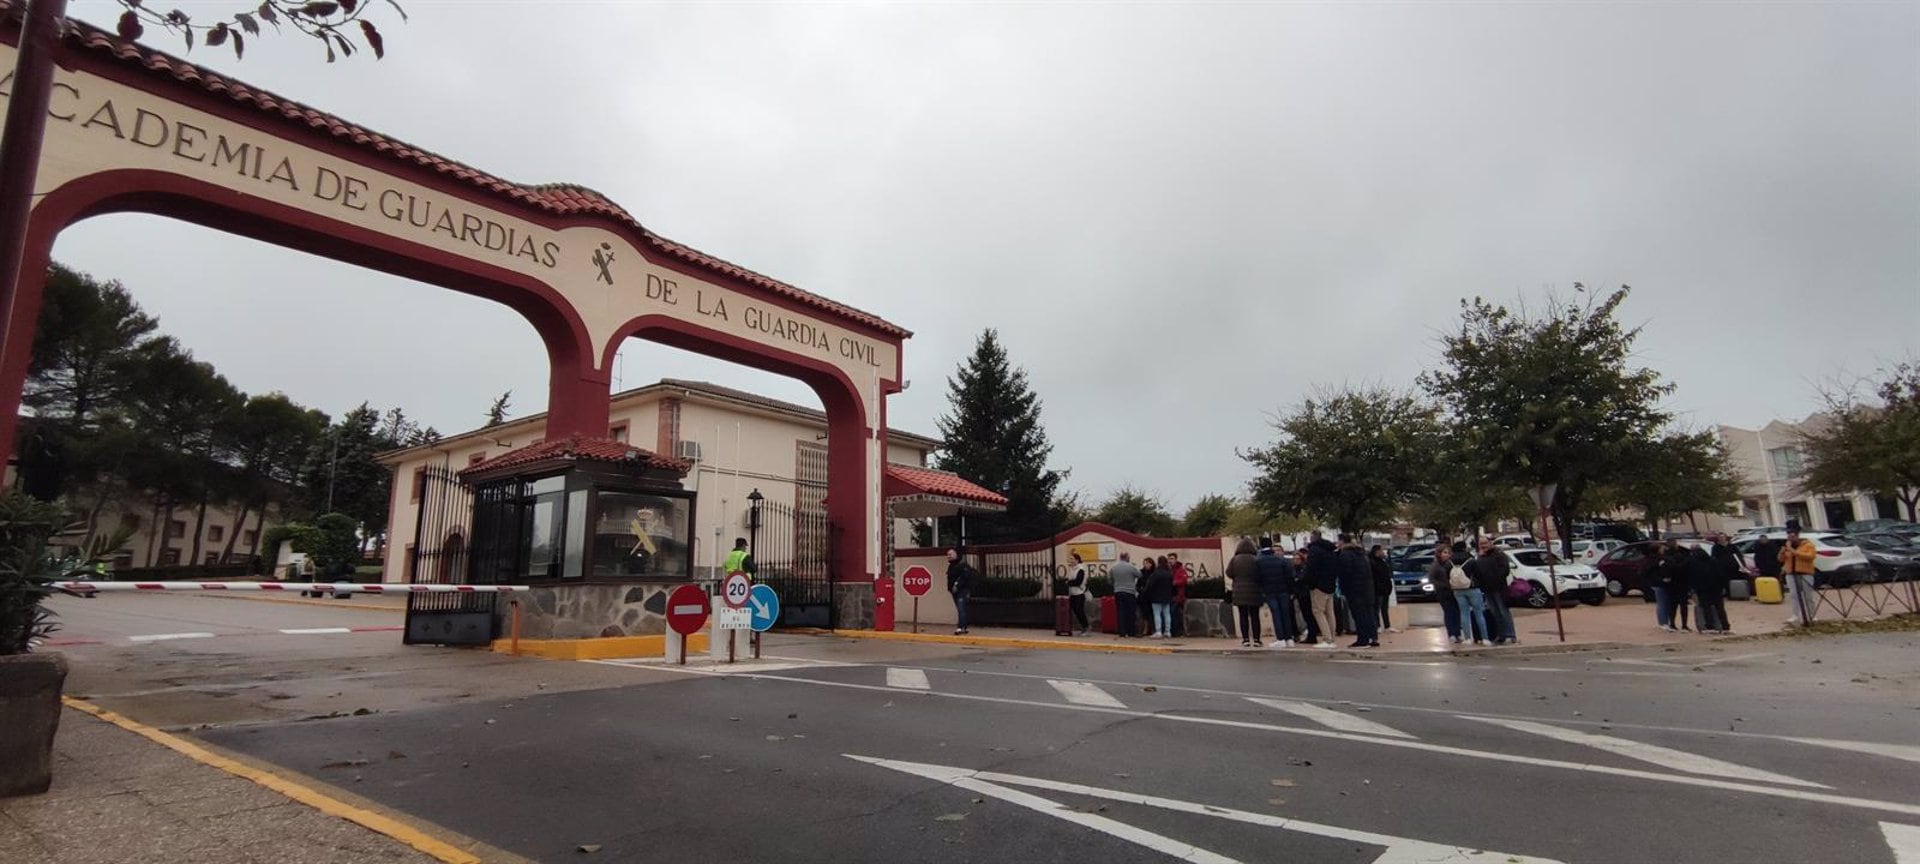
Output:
x=1275 y=574
x=1159 y=597
x=1356 y=582
x=1382 y=584
x=1796 y=558
x=1126 y=596
x=739 y=560
x=1148 y=567
x=1303 y=599
x=959 y=584
x=1180 y=579
x=1323 y=567
x=1440 y=576
x=1667 y=568
x=1724 y=568
x=1493 y=571
x=1077 y=592
x=1473 y=603
x=1243 y=575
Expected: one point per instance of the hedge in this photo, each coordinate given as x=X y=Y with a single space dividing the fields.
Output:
x=1006 y=587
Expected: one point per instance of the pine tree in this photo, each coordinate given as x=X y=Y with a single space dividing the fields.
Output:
x=497 y=414
x=994 y=438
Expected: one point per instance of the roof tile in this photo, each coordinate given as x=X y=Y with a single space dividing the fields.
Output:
x=909 y=480
x=575 y=448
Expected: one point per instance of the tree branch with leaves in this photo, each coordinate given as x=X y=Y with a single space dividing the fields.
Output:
x=336 y=23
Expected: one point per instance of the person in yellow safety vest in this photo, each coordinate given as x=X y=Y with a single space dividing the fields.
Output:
x=739 y=561
x=1796 y=564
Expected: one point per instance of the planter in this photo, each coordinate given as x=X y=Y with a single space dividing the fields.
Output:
x=29 y=715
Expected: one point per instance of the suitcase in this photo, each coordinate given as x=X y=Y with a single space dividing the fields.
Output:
x=1739 y=589
x=1109 y=614
x=1062 y=616
x=1766 y=589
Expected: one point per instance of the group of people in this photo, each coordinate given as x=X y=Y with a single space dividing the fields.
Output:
x=1147 y=599
x=1472 y=592
x=1298 y=591
x=1685 y=576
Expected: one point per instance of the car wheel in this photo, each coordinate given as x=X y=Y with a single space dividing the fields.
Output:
x=1539 y=598
x=1594 y=598
x=1615 y=588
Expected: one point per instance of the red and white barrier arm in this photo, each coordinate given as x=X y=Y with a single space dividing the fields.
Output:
x=327 y=587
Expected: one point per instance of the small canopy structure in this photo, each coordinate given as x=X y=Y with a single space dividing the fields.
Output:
x=924 y=493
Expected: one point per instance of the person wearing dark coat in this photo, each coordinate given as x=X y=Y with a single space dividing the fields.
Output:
x=1323 y=572
x=1727 y=560
x=1303 y=599
x=960 y=585
x=1244 y=578
x=1491 y=573
x=1670 y=587
x=1147 y=566
x=1356 y=582
x=1275 y=575
x=1159 y=595
x=1440 y=576
x=1709 y=587
x=1382 y=584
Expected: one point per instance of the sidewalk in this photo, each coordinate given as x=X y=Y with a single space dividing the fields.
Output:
x=1619 y=623
x=118 y=798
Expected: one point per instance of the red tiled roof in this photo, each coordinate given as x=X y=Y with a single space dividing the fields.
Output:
x=564 y=199
x=908 y=480
x=575 y=448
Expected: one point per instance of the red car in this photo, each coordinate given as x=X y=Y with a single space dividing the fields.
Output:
x=1626 y=567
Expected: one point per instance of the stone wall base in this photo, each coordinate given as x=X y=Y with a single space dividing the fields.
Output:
x=853 y=605
x=589 y=611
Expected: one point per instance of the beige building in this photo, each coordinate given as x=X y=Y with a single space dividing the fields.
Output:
x=1770 y=462
x=738 y=443
x=166 y=539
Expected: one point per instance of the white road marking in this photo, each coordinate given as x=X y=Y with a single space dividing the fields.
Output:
x=164 y=637
x=1399 y=850
x=1688 y=664
x=1904 y=840
x=315 y=631
x=1082 y=693
x=909 y=679
x=1905 y=752
x=1665 y=757
x=1330 y=718
x=1422 y=746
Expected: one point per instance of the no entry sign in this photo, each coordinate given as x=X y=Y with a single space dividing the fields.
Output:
x=917 y=580
x=687 y=609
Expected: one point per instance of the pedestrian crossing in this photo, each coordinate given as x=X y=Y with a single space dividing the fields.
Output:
x=1652 y=754
x=1330 y=718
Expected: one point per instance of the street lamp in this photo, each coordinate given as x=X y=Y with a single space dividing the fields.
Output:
x=753 y=522
x=1543 y=496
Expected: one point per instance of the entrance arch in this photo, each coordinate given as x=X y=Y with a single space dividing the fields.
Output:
x=130 y=129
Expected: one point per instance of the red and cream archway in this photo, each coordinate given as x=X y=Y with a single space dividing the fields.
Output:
x=130 y=129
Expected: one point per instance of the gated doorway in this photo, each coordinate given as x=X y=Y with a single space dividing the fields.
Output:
x=793 y=551
x=440 y=557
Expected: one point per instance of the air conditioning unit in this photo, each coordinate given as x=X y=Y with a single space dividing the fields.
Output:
x=687 y=450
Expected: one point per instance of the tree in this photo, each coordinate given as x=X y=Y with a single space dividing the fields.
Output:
x=994 y=438
x=332 y=23
x=1861 y=445
x=270 y=441
x=1349 y=458
x=1208 y=517
x=1456 y=497
x=1130 y=509
x=1250 y=520
x=1673 y=475
x=1552 y=397
x=497 y=414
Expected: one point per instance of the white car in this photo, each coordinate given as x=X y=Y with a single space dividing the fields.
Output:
x=1758 y=531
x=1837 y=560
x=1576 y=581
x=1517 y=541
x=1589 y=551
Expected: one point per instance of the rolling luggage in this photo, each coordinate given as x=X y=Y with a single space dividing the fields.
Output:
x=1766 y=589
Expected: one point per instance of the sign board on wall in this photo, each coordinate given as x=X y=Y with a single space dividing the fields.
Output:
x=1091 y=552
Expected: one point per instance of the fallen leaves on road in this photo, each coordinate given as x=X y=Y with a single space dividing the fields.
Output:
x=344 y=763
x=1283 y=783
x=395 y=754
x=587 y=848
x=1151 y=689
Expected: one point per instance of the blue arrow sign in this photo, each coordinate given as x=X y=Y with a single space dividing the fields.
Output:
x=764 y=603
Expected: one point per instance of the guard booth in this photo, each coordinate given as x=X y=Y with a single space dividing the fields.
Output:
x=600 y=530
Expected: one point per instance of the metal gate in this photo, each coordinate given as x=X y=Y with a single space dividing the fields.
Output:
x=793 y=551
x=442 y=555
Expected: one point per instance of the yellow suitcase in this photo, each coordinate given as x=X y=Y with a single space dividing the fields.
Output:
x=1766 y=589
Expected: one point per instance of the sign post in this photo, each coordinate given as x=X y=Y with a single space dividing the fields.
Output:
x=764 y=603
x=1543 y=496
x=730 y=615
x=917 y=580
x=686 y=614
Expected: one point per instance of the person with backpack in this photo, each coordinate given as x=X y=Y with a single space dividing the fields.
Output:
x=1077 y=592
x=1275 y=574
x=1440 y=576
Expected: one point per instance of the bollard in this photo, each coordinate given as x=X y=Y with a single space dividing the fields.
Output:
x=514 y=628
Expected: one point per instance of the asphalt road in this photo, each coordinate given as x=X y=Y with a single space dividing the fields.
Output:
x=843 y=750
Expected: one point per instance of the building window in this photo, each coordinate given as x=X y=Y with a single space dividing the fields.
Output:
x=1786 y=461
x=619 y=432
x=419 y=481
x=130 y=522
x=176 y=529
x=216 y=533
x=212 y=558
x=169 y=557
x=1797 y=512
x=250 y=537
x=640 y=534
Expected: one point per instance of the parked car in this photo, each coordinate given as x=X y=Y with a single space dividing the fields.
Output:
x=1410 y=578
x=1838 y=560
x=1625 y=568
x=1891 y=558
x=1575 y=581
x=1757 y=531
x=1588 y=552
x=1880 y=526
x=1517 y=541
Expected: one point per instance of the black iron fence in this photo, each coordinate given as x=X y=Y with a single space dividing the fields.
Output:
x=793 y=553
x=442 y=555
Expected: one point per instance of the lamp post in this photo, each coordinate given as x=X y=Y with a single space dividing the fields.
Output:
x=1543 y=496
x=753 y=522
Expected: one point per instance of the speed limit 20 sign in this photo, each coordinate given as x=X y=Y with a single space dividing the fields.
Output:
x=735 y=590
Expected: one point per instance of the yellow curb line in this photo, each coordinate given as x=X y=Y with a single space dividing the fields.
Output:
x=307 y=795
x=298 y=601
x=599 y=647
x=989 y=641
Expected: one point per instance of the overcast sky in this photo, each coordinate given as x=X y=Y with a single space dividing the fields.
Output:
x=1181 y=217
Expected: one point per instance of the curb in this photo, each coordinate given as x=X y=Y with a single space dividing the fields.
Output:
x=380 y=824
x=988 y=641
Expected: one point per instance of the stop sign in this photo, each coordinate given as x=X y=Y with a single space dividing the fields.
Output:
x=917 y=580
x=687 y=609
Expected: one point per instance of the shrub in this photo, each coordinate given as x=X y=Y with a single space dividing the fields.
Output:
x=27 y=570
x=1206 y=589
x=1100 y=586
x=1006 y=587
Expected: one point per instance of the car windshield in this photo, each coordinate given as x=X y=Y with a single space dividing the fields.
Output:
x=1582 y=545
x=1536 y=557
x=1838 y=540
